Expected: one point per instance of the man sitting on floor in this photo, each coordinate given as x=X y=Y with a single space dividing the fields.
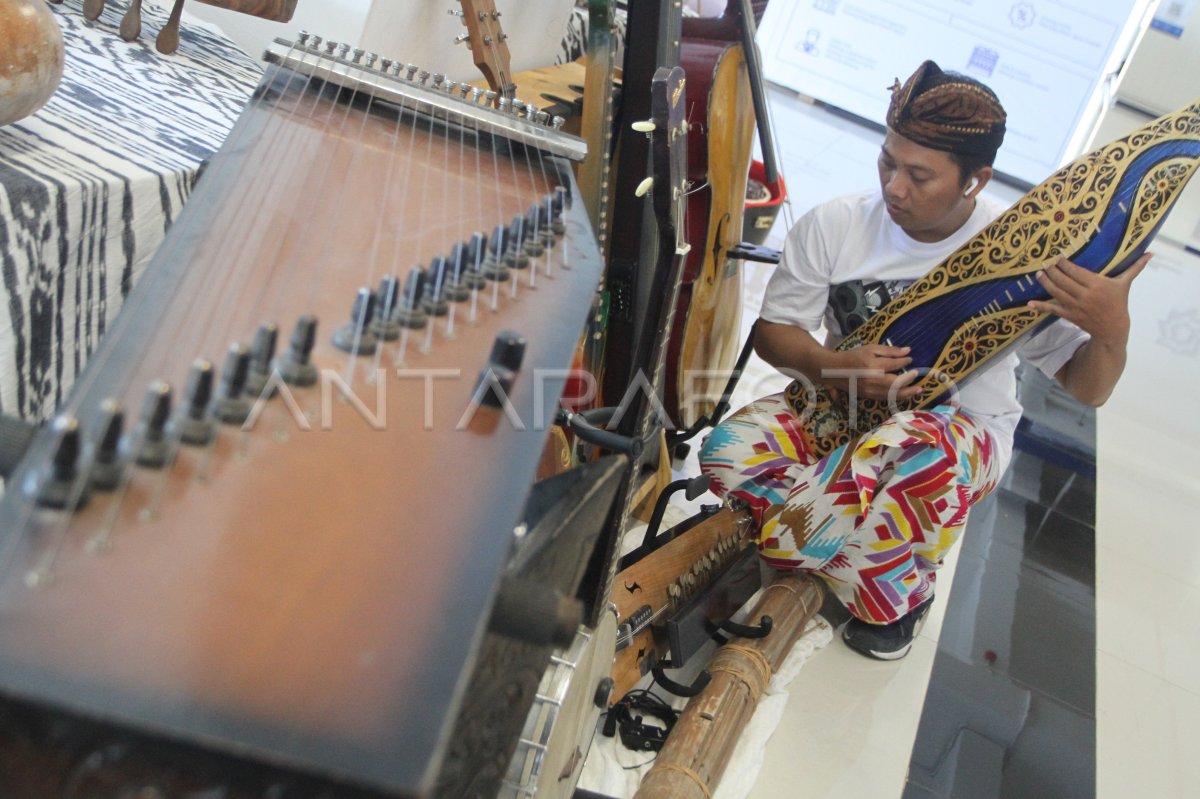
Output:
x=875 y=518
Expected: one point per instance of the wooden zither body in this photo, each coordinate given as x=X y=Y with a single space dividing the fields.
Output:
x=305 y=592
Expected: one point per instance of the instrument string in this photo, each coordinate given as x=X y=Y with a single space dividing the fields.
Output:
x=445 y=221
x=406 y=223
x=233 y=251
x=326 y=257
x=538 y=192
x=197 y=282
x=462 y=160
x=390 y=297
x=234 y=281
x=477 y=255
x=495 y=288
x=138 y=303
x=277 y=143
x=515 y=228
x=503 y=103
x=459 y=213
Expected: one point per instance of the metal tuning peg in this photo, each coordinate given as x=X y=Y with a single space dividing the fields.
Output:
x=470 y=268
x=152 y=448
x=534 y=227
x=294 y=365
x=494 y=267
x=644 y=126
x=262 y=350
x=55 y=486
x=192 y=424
x=435 y=302
x=232 y=406
x=387 y=297
x=496 y=379
x=108 y=465
x=549 y=230
x=355 y=337
x=515 y=255
x=410 y=312
x=643 y=187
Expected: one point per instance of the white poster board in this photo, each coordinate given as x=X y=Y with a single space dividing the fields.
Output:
x=1050 y=62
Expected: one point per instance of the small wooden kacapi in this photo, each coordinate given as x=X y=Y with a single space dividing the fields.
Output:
x=699 y=747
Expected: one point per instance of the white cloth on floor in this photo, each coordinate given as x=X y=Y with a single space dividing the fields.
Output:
x=613 y=770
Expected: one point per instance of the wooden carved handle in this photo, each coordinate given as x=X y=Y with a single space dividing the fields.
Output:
x=131 y=23
x=274 y=10
x=168 y=38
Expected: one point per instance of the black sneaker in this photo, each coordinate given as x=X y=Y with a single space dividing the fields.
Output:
x=886 y=641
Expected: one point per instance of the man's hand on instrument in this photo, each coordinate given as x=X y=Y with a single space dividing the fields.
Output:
x=876 y=371
x=1098 y=304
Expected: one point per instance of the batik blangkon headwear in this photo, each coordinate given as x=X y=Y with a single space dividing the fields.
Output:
x=947 y=111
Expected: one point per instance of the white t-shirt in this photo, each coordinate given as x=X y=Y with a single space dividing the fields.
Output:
x=853 y=238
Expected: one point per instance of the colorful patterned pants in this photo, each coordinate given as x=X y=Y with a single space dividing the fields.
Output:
x=875 y=517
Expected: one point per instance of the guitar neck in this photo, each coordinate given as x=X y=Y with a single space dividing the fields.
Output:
x=489 y=45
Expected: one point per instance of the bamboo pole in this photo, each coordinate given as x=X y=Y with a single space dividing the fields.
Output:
x=699 y=747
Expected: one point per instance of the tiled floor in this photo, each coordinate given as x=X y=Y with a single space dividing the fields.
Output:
x=1054 y=563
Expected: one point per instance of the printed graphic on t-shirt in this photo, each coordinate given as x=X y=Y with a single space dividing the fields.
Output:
x=852 y=303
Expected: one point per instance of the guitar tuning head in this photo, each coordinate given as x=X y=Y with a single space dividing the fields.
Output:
x=644 y=126
x=643 y=187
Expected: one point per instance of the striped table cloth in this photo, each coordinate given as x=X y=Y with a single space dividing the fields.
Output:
x=89 y=185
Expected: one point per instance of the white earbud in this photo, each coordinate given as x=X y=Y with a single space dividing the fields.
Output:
x=971 y=188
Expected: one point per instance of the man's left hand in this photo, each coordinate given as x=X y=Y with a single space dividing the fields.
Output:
x=1098 y=304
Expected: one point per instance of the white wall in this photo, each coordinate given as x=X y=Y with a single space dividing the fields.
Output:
x=340 y=20
x=416 y=31
x=422 y=32
x=1164 y=72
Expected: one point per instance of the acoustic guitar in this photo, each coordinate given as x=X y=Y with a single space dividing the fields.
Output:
x=256 y=553
x=1100 y=211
